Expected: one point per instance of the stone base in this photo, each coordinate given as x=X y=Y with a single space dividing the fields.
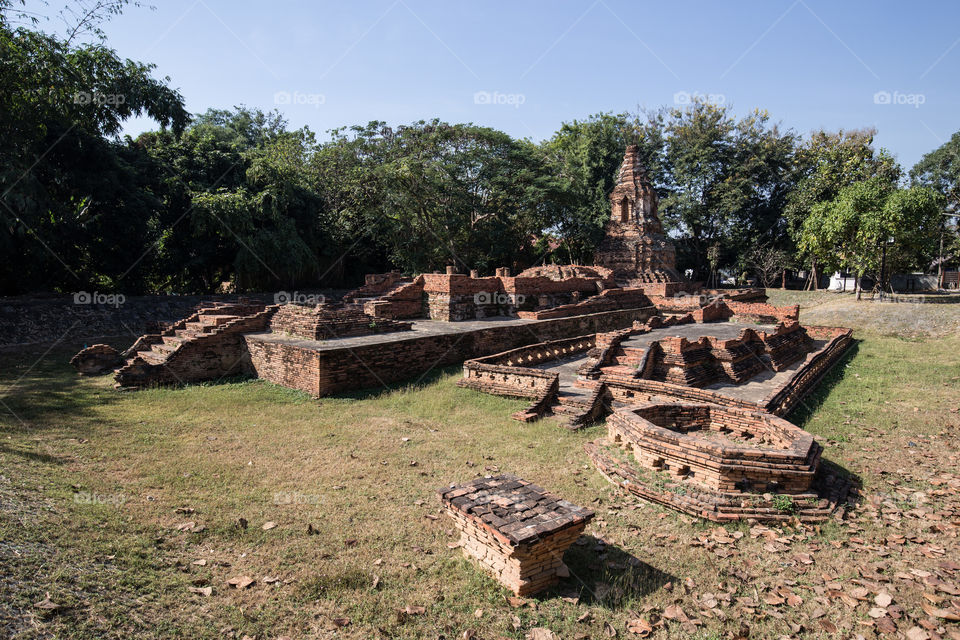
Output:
x=830 y=488
x=524 y=569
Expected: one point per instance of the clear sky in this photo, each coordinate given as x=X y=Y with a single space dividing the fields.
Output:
x=526 y=66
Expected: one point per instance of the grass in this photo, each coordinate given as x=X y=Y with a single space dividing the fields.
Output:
x=97 y=488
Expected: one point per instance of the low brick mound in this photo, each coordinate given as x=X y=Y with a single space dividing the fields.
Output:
x=719 y=463
x=97 y=360
x=515 y=530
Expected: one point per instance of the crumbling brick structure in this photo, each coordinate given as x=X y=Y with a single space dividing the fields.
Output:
x=97 y=359
x=720 y=463
x=515 y=530
x=634 y=246
x=326 y=321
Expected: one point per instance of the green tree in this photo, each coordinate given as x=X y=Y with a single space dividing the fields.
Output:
x=71 y=202
x=725 y=182
x=868 y=221
x=432 y=194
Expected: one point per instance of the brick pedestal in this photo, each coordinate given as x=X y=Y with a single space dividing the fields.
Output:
x=515 y=530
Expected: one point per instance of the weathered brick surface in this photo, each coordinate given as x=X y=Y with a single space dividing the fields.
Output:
x=515 y=530
x=830 y=489
x=763 y=313
x=29 y=320
x=213 y=349
x=607 y=300
x=723 y=448
x=325 y=322
x=634 y=246
x=371 y=365
x=375 y=285
x=97 y=359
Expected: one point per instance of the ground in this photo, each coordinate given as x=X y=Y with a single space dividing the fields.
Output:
x=118 y=511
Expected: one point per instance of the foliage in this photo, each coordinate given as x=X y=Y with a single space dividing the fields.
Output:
x=867 y=220
x=69 y=189
x=725 y=181
x=940 y=170
x=585 y=156
x=234 y=196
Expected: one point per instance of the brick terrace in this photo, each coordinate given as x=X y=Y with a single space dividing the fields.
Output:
x=324 y=367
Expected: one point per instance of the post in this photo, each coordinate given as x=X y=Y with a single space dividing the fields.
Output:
x=883 y=271
x=940 y=259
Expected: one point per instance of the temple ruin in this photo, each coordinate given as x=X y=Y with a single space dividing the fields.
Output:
x=624 y=340
x=634 y=246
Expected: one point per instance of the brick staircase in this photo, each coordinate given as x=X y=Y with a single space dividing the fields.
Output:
x=576 y=407
x=206 y=323
x=194 y=348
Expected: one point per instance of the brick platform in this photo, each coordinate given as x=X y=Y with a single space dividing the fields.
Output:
x=719 y=463
x=516 y=530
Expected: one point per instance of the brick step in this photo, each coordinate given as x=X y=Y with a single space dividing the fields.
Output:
x=197 y=327
x=215 y=319
x=619 y=370
x=163 y=349
x=175 y=339
x=152 y=357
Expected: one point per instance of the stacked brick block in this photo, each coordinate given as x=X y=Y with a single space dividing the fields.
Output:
x=607 y=300
x=516 y=531
x=405 y=300
x=325 y=322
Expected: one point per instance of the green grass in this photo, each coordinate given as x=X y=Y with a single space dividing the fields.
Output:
x=362 y=471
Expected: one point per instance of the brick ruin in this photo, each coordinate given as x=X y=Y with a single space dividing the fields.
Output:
x=719 y=463
x=516 y=531
x=701 y=445
x=326 y=322
x=634 y=245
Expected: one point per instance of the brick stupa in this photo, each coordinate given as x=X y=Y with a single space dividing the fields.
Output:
x=634 y=245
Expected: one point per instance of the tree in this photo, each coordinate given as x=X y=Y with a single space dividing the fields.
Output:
x=433 y=194
x=768 y=263
x=824 y=165
x=585 y=155
x=940 y=170
x=69 y=191
x=867 y=221
x=725 y=182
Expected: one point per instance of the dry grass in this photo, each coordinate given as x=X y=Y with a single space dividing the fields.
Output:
x=362 y=472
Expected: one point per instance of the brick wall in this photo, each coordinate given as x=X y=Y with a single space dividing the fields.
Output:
x=725 y=449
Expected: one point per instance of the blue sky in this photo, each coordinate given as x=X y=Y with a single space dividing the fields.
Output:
x=526 y=66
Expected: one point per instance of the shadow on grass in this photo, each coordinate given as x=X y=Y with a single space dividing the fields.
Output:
x=40 y=389
x=415 y=382
x=810 y=404
x=605 y=575
x=33 y=455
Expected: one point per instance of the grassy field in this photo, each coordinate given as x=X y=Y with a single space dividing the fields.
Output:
x=126 y=514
